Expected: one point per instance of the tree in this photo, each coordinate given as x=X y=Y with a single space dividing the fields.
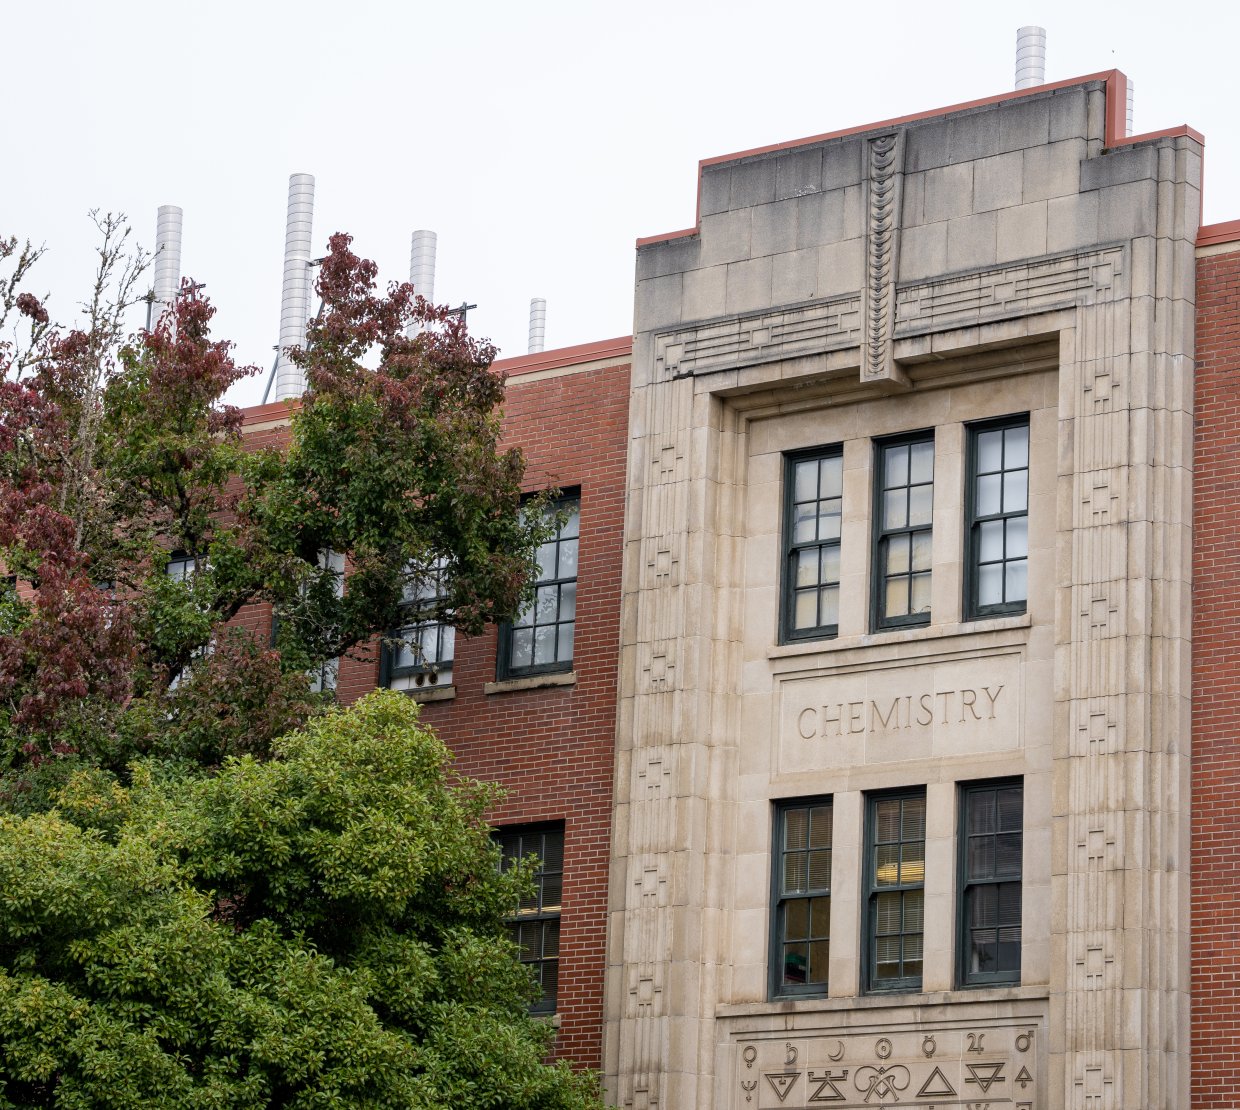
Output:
x=322 y=929
x=119 y=461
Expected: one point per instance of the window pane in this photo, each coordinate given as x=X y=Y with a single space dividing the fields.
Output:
x=807 y=562
x=887 y=865
x=1008 y=848
x=895 y=467
x=546 y=561
x=564 y=648
x=990 y=540
x=887 y=814
x=829 y=605
x=552 y=886
x=805 y=481
x=572 y=526
x=898 y=548
x=832 y=477
x=981 y=857
x=796 y=828
x=921 y=506
x=1017 y=537
x=796 y=962
x=568 y=601
x=922 y=469
x=544 y=644
x=796 y=919
x=820 y=870
x=922 y=545
x=830 y=565
x=895 y=509
x=820 y=917
x=989 y=494
x=1011 y=806
x=989 y=451
x=829 y=521
x=1016 y=491
x=522 y=647
x=914 y=911
x=890 y=916
x=796 y=873
x=913 y=818
x=1017 y=581
x=820 y=827
x=546 y=604
x=819 y=952
x=919 y=598
x=1016 y=447
x=990 y=584
x=805 y=523
x=896 y=599
x=551 y=938
x=806 y=610
x=568 y=559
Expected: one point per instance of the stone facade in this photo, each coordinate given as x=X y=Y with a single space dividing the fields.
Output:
x=1014 y=256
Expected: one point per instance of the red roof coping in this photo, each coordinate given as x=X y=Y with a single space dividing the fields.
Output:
x=1211 y=234
x=620 y=347
x=273 y=410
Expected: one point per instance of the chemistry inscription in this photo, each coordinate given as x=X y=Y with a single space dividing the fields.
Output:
x=896 y=713
x=900 y=712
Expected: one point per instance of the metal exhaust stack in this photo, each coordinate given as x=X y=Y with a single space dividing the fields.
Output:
x=538 y=323
x=295 y=298
x=422 y=268
x=167 y=278
x=1030 y=57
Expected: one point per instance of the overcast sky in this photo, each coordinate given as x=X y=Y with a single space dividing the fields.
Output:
x=538 y=139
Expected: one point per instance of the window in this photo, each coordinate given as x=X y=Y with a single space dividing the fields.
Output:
x=812 y=515
x=325 y=677
x=536 y=925
x=903 y=509
x=991 y=843
x=802 y=927
x=420 y=653
x=998 y=518
x=895 y=877
x=540 y=639
x=182 y=567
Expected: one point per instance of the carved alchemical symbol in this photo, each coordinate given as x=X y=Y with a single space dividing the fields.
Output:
x=882 y=1048
x=1023 y=1078
x=928 y=1046
x=836 y=1056
x=985 y=1075
x=937 y=1085
x=825 y=1080
x=975 y=1042
x=1024 y=1040
x=882 y=1083
x=749 y=1086
x=782 y=1082
x=790 y=1055
x=749 y=1055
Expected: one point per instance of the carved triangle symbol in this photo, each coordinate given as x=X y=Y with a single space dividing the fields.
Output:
x=985 y=1075
x=936 y=1085
x=1024 y=1078
x=783 y=1082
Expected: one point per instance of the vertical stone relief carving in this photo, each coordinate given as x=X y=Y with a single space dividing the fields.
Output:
x=884 y=186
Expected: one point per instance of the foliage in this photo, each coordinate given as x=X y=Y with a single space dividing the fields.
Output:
x=118 y=455
x=319 y=930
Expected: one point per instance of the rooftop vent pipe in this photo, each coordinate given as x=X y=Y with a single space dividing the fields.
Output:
x=1030 y=57
x=538 y=323
x=167 y=261
x=295 y=298
x=422 y=267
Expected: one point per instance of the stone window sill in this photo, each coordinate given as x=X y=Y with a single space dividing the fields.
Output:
x=921 y=635
x=424 y=694
x=531 y=682
x=881 y=1001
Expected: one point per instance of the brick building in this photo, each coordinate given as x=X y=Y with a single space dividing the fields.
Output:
x=899 y=761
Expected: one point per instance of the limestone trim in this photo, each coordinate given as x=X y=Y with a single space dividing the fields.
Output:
x=882 y=643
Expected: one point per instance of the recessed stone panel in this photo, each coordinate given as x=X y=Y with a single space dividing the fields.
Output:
x=887 y=714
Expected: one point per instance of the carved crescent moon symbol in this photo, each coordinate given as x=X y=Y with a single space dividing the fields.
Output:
x=838 y=1054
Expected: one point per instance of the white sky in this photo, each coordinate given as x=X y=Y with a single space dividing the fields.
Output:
x=539 y=139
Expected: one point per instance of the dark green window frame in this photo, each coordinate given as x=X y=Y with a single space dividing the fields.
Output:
x=903 y=531
x=991 y=845
x=813 y=519
x=895 y=881
x=423 y=647
x=801 y=898
x=997 y=517
x=540 y=639
x=535 y=927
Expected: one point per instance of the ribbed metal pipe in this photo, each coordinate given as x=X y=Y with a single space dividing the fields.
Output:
x=167 y=279
x=422 y=250
x=538 y=323
x=295 y=297
x=1030 y=57
x=1128 y=116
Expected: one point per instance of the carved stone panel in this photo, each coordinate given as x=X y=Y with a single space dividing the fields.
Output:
x=995 y=1063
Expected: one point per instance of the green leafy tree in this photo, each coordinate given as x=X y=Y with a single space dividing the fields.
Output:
x=323 y=929
x=119 y=461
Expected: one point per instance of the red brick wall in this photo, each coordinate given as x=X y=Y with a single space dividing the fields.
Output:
x=1216 y=688
x=553 y=748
